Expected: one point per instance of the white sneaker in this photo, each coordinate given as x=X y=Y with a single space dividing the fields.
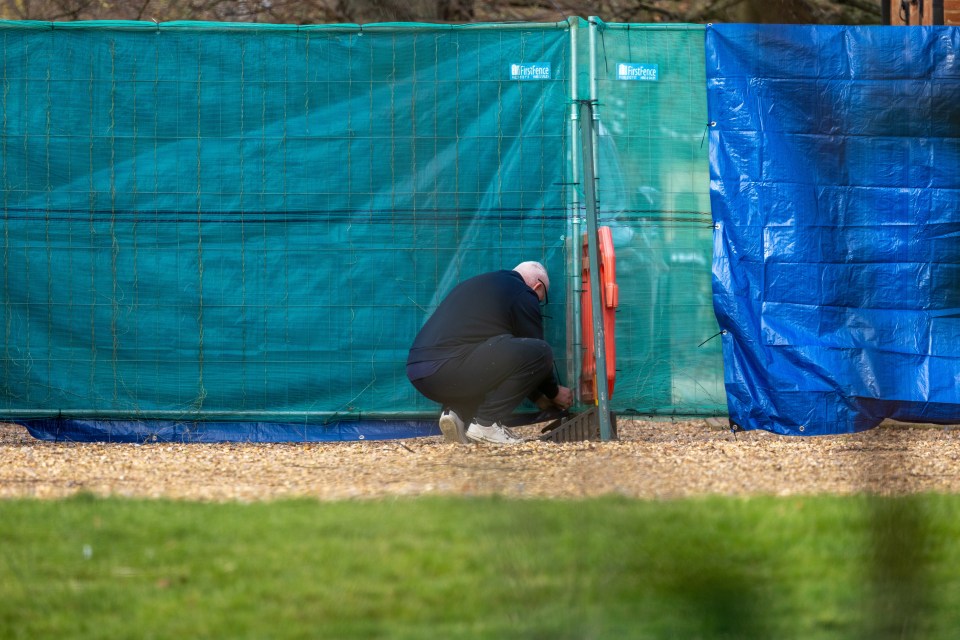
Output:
x=451 y=425
x=495 y=434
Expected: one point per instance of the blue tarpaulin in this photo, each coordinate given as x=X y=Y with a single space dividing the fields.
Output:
x=835 y=190
x=191 y=431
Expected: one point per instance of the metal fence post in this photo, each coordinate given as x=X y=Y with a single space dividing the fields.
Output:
x=590 y=195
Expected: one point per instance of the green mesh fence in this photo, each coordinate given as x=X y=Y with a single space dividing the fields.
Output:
x=209 y=221
x=654 y=191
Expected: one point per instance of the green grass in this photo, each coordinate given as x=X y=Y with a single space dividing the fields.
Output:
x=821 y=567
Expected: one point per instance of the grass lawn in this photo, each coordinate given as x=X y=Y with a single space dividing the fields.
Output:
x=824 y=567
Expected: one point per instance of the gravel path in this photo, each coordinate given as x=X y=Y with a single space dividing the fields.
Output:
x=656 y=460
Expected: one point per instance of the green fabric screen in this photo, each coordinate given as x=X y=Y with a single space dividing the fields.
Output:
x=249 y=222
x=654 y=191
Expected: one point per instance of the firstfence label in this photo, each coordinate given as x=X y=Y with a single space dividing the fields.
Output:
x=638 y=71
x=530 y=71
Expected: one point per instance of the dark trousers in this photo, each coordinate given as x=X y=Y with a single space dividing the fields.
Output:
x=491 y=380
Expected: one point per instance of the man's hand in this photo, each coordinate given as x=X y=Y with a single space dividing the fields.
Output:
x=564 y=398
x=544 y=403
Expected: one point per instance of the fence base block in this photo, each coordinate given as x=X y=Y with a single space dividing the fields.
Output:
x=577 y=428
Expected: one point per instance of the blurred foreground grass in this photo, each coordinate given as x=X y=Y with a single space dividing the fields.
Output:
x=813 y=567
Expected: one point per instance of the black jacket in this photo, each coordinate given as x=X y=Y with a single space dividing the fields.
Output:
x=484 y=306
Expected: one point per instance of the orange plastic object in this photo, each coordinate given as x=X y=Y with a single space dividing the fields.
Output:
x=609 y=299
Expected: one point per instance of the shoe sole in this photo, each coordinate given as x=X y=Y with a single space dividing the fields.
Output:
x=451 y=430
x=481 y=440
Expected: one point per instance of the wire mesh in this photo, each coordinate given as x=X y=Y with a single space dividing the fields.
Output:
x=654 y=194
x=207 y=221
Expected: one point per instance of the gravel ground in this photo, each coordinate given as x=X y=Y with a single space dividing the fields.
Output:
x=654 y=460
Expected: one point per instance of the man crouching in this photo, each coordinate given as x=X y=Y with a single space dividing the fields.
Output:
x=482 y=352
